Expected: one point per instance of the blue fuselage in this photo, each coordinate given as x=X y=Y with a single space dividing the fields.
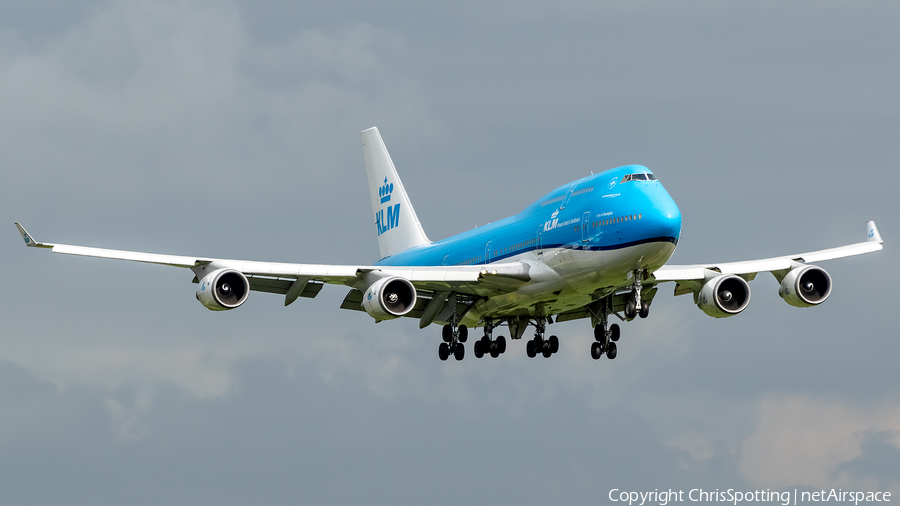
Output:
x=594 y=214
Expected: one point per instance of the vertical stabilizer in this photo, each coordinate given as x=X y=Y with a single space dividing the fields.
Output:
x=396 y=223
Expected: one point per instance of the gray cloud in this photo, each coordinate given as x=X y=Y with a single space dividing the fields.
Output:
x=232 y=130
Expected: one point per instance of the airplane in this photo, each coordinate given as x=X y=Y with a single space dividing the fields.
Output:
x=592 y=248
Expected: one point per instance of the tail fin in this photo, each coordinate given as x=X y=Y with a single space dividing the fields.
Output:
x=396 y=222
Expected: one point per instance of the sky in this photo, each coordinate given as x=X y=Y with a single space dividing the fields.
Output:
x=231 y=129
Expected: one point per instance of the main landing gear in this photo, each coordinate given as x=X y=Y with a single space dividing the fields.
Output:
x=605 y=336
x=454 y=336
x=545 y=347
x=495 y=347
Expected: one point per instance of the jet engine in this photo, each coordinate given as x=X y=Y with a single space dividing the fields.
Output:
x=724 y=296
x=389 y=298
x=223 y=289
x=805 y=286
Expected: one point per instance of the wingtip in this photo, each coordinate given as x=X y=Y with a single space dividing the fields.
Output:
x=872 y=234
x=29 y=239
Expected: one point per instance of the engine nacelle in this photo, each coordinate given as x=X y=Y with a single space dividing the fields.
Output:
x=389 y=298
x=223 y=289
x=724 y=296
x=805 y=286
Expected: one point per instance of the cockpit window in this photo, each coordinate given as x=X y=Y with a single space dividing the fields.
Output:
x=638 y=177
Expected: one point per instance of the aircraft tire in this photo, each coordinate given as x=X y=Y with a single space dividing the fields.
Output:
x=447 y=333
x=546 y=352
x=501 y=344
x=463 y=333
x=444 y=351
x=645 y=309
x=529 y=349
x=460 y=352
x=629 y=310
x=611 y=352
x=495 y=352
x=596 y=351
x=478 y=349
x=614 y=332
x=598 y=333
x=554 y=344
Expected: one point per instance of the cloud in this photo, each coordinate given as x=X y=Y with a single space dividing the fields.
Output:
x=803 y=441
x=147 y=108
x=153 y=93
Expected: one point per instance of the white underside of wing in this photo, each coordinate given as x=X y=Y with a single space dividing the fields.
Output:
x=337 y=274
x=752 y=267
x=150 y=258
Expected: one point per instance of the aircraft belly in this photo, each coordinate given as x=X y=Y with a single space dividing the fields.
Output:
x=586 y=271
x=577 y=277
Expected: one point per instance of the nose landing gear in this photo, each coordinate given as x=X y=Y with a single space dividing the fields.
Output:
x=636 y=306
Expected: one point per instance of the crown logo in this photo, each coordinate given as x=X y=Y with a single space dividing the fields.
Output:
x=385 y=191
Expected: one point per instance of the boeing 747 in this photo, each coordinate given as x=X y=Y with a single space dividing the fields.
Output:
x=593 y=248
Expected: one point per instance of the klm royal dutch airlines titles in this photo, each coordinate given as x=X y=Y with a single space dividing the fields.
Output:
x=594 y=249
x=388 y=221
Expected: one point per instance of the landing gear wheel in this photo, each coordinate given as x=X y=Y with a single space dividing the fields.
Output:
x=501 y=345
x=611 y=351
x=596 y=350
x=444 y=351
x=478 y=349
x=546 y=351
x=554 y=344
x=614 y=332
x=447 y=333
x=598 y=333
x=459 y=352
x=538 y=344
x=530 y=349
x=630 y=311
x=463 y=333
x=645 y=309
x=495 y=352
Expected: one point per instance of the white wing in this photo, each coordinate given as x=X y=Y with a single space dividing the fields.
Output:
x=276 y=277
x=778 y=265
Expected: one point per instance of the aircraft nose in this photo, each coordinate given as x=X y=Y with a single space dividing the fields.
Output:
x=667 y=219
